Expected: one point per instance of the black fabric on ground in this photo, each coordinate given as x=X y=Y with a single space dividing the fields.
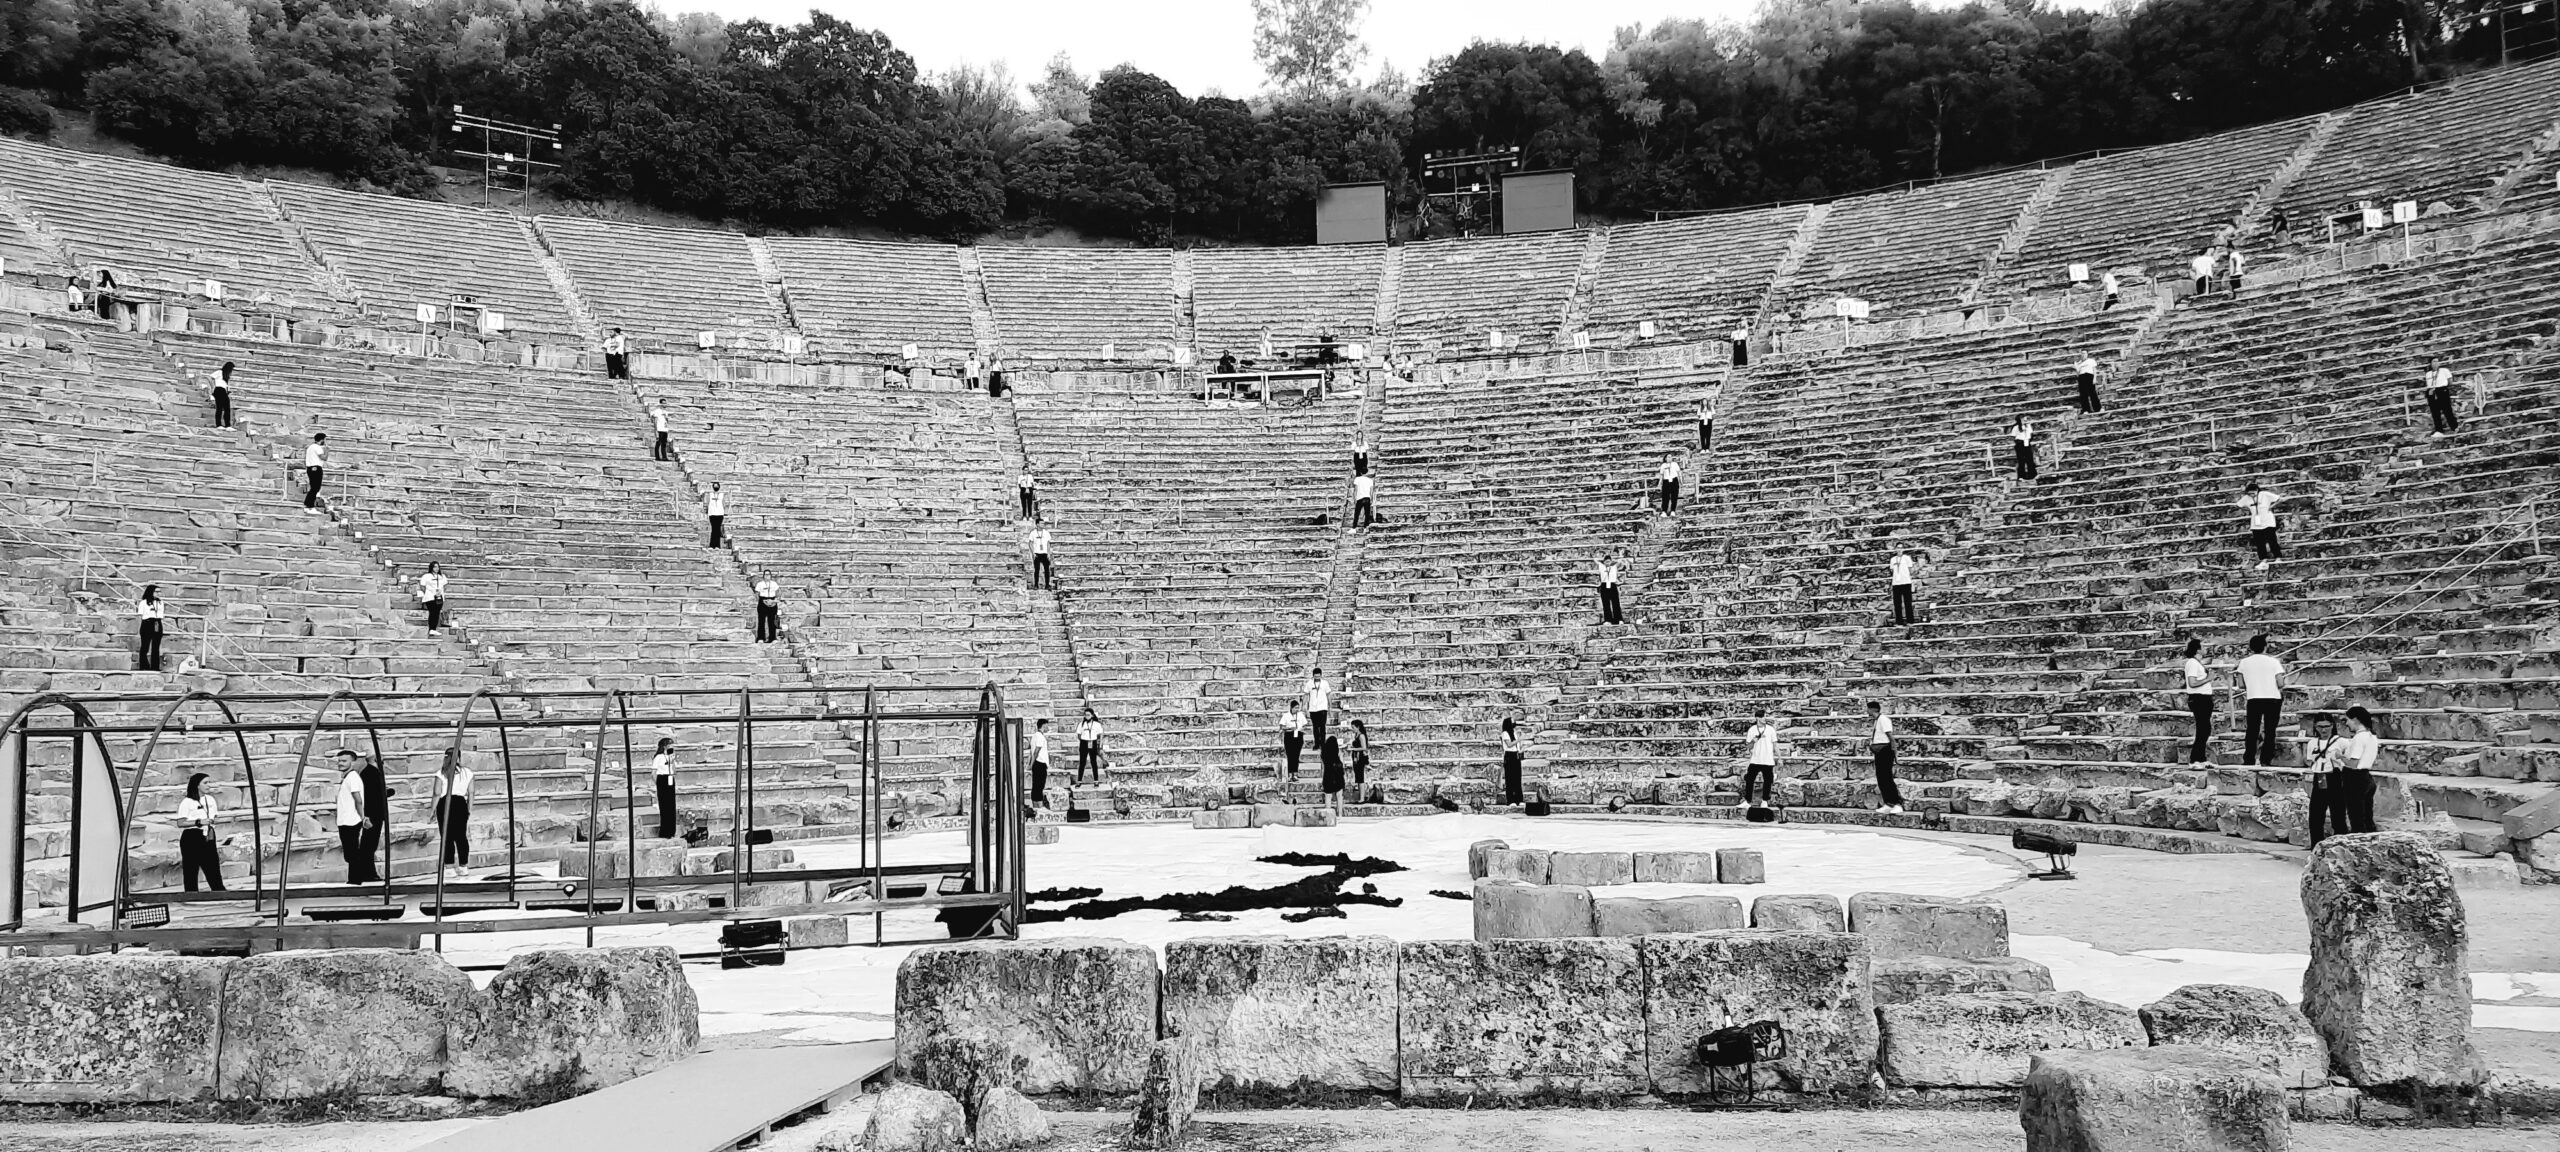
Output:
x=1320 y=891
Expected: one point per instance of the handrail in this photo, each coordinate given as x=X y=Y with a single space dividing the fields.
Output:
x=2533 y=519
x=206 y=629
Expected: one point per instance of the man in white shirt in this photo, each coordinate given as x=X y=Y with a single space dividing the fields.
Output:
x=2439 y=389
x=1041 y=574
x=2235 y=267
x=2087 y=369
x=1901 y=567
x=617 y=356
x=315 y=460
x=2111 y=286
x=1319 y=694
x=1762 y=761
x=2202 y=268
x=1880 y=746
x=1029 y=489
x=665 y=449
x=1040 y=762
x=768 y=609
x=1741 y=338
x=1364 y=487
x=716 y=506
x=2260 y=503
x=1608 y=572
x=2262 y=682
x=1669 y=492
x=353 y=823
x=974 y=373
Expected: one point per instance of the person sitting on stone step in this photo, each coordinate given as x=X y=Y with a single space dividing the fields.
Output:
x=1761 y=760
x=768 y=609
x=1089 y=748
x=1293 y=741
x=1042 y=575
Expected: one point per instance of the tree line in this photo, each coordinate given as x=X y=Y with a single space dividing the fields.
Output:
x=826 y=124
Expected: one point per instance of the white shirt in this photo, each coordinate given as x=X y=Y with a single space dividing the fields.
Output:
x=616 y=344
x=1764 y=744
x=431 y=586
x=149 y=609
x=1039 y=747
x=2328 y=754
x=1363 y=486
x=351 y=799
x=1359 y=446
x=2262 y=508
x=2088 y=366
x=2361 y=749
x=2440 y=378
x=1293 y=722
x=1901 y=564
x=663 y=766
x=1884 y=730
x=2259 y=676
x=2024 y=432
x=1028 y=483
x=1089 y=731
x=1608 y=573
x=717 y=503
x=2198 y=684
x=767 y=589
x=2108 y=282
x=461 y=785
x=1706 y=412
x=1670 y=469
x=974 y=367
x=315 y=456
x=1319 y=694
x=659 y=415
x=1040 y=542
x=1742 y=334
x=195 y=812
x=2202 y=265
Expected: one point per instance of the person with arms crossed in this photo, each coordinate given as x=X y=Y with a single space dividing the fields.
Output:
x=1761 y=763
x=768 y=609
x=1319 y=694
x=1609 y=611
x=2262 y=686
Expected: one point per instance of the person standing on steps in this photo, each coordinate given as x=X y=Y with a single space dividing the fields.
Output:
x=2201 y=267
x=665 y=448
x=1029 y=489
x=1042 y=576
x=196 y=855
x=1089 y=748
x=2022 y=434
x=1761 y=763
x=1329 y=753
x=315 y=462
x=716 y=506
x=2237 y=267
x=1319 y=694
x=662 y=770
x=431 y=596
x=2087 y=370
x=1880 y=746
x=1668 y=491
x=1364 y=510
x=1511 y=757
x=1706 y=421
x=1359 y=452
x=2351 y=786
x=2438 y=385
x=222 y=396
x=973 y=373
x=617 y=356
x=2112 y=287
x=355 y=822
x=1040 y=762
x=1609 y=613
x=152 y=622
x=1741 y=338
x=2262 y=687
x=453 y=811
x=1359 y=757
x=1293 y=741
x=2261 y=506
x=2324 y=753
x=1901 y=570
x=768 y=609
x=2198 y=686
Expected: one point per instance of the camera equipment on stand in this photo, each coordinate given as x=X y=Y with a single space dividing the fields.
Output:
x=2054 y=848
x=1732 y=1059
x=751 y=943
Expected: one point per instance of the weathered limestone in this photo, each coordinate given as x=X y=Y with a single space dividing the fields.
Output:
x=1517 y=1018
x=2251 y=1023
x=1739 y=866
x=1814 y=984
x=1983 y=1039
x=1275 y=815
x=1896 y=924
x=2386 y=987
x=1081 y=1011
x=1675 y=868
x=1276 y=1013
x=815 y=931
x=1311 y=816
x=1008 y=1119
x=1048 y=833
x=1477 y=854
x=1526 y=865
x=574 y=1020
x=1232 y=817
x=135 y=1027
x=367 y=1021
x=1591 y=869
x=1168 y=1096
x=1506 y=910
x=1641 y=916
x=1799 y=912
x=1902 y=979
x=913 y=1119
x=2151 y=1100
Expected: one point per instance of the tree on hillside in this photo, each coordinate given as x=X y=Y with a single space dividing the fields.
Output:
x=1309 y=46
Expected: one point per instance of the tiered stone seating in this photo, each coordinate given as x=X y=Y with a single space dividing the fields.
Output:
x=159 y=227
x=873 y=299
x=1907 y=252
x=2445 y=144
x=663 y=284
x=1067 y=303
x=403 y=253
x=1240 y=294
x=1452 y=292
x=1192 y=565
x=1693 y=278
x=2151 y=208
x=22 y=254
x=1476 y=600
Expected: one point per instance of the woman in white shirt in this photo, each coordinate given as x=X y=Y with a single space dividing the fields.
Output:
x=1670 y=488
x=2198 y=686
x=1293 y=740
x=2324 y=752
x=665 y=448
x=662 y=770
x=768 y=609
x=1706 y=422
x=1762 y=762
x=1880 y=746
x=1511 y=757
x=2351 y=782
x=1359 y=453
x=1089 y=748
x=717 y=507
x=1741 y=338
x=1608 y=573
x=154 y=622
x=2023 y=433
x=196 y=857
x=453 y=811
x=431 y=596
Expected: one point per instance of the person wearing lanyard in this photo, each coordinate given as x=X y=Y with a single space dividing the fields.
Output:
x=1042 y=575
x=2262 y=685
x=1089 y=747
x=431 y=596
x=1609 y=612
x=1319 y=693
x=315 y=460
x=2087 y=369
x=716 y=506
x=2325 y=754
x=354 y=821
x=1029 y=489
x=1511 y=757
x=196 y=857
x=2024 y=432
x=154 y=618
x=222 y=396
x=453 y=811
x=2199 y=690
x=2261 y=506
x=768 y=609
x=1293 y=740
x=1763 y=761
x=1669 y=492
x=2351 y=785
x=662 y=769
x=1706 y=421
x=1040 y=762
x=665 y=448
x=1880 y=745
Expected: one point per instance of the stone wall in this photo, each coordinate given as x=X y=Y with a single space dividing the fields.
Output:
x=141 y=1027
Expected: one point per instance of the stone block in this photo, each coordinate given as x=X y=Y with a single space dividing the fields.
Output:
x=1080 y=1011
x=1591 y=869
x=1983 y=1039
x=2252 y=1023
x=1229 y=817
x=1314 y=816
x=2535 y=818
x=1508 y=910
x=1276 y=1013
x=1168 y=1096
x=912 y=1119
x=1814 y=984
x=574 y=1020
x=1739 y=866
x=1902 y=979
x=1642 y=916
x=1526 y=865
x=1675 y=868
x=1896 y=924
x=358 y=1021
x=1477 y=854
x=1799 y=912
x=1274 y=815
x=815 y=931
x=2387 y=987
x=1008 y=1119
x=131 y=1028
x=1510 y=1019
x=2151 y=1100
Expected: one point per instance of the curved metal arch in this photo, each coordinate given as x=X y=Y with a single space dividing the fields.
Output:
x=506 y=769
x=310 y=736
x=16 y=767
x=133 y=804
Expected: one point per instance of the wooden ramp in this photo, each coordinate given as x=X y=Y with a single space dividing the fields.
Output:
x=707 y=1103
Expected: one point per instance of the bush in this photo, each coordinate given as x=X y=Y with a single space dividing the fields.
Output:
x=23 y=113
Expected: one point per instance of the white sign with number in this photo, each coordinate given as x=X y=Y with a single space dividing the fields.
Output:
x=2404 y=212
x=2079 y=273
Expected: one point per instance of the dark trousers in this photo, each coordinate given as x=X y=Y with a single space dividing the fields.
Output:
x=1903 y=611
x=2319 y=807
x=2111 y=302
x=617 y=365
x=2258 y=733
x=2026 y=461
x=453 y=813
x=666 y=807
x=147 y=658
x=1511 y=777
x=1318 y=716
x=221 y=415
x=311 y=487
x=1609 y=613
x=1741 y=353
x=1670 y=497
x=2201 y=705
x=1291 y=747
x=435 y=613
x=2088 y=392
x=1029 y=507
x=1767 y=775
x=1361 y=513
x=355 y=842
x=196 y=858
x=1359 y=463
x=1088 y=760
x=2440 y=410
x=1041 y=575
x=1040 y=782
x=716 y=537
x=2263 y=542
x=1884 y=774
x=768 y=621
x=1706 y=433
x=2201 y=282
x=2350 y=801
x=664 y=449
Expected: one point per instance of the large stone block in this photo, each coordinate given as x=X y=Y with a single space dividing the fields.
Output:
x=574 y=1021
x=1477 y=854
x=361 y=1021
x=1902 y=979
x=1275 y=815
x=1799 y=912
x=1896 y=924
x=1983 y=1039
x=1311 y=816
x=1080 y=1011
x=136 y=1028
x=1526 y=865
x=1048 y=833
x=1234 y=817
x=2252 y=1023
x=816 y=931
x=2151 y=1100
x=1814 y=984
x=1506 y=1019
x=1507 y=910
x=1591 y=869
x=2386 y=986
x=1641 y=916
x=1739 y=866
x=912 y=1119
x=1675 y=867
x=1276 y=1013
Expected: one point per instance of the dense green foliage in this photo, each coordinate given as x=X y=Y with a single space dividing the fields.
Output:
x=828 y=124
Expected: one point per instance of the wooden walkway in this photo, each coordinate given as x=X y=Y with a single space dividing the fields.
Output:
x=707 y=1103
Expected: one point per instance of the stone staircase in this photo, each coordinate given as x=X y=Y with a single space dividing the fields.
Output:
x=1586 y=278
x=29 y=223
x=1808 y=231
x=776 y=289
x=982 y=316
x=2521 y=171
x=2013 y=241
x=561 y=281
x=1186 y=320
x=2253 y=215
x=1390 y=273
x=339 y=285
x=1065 y=696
